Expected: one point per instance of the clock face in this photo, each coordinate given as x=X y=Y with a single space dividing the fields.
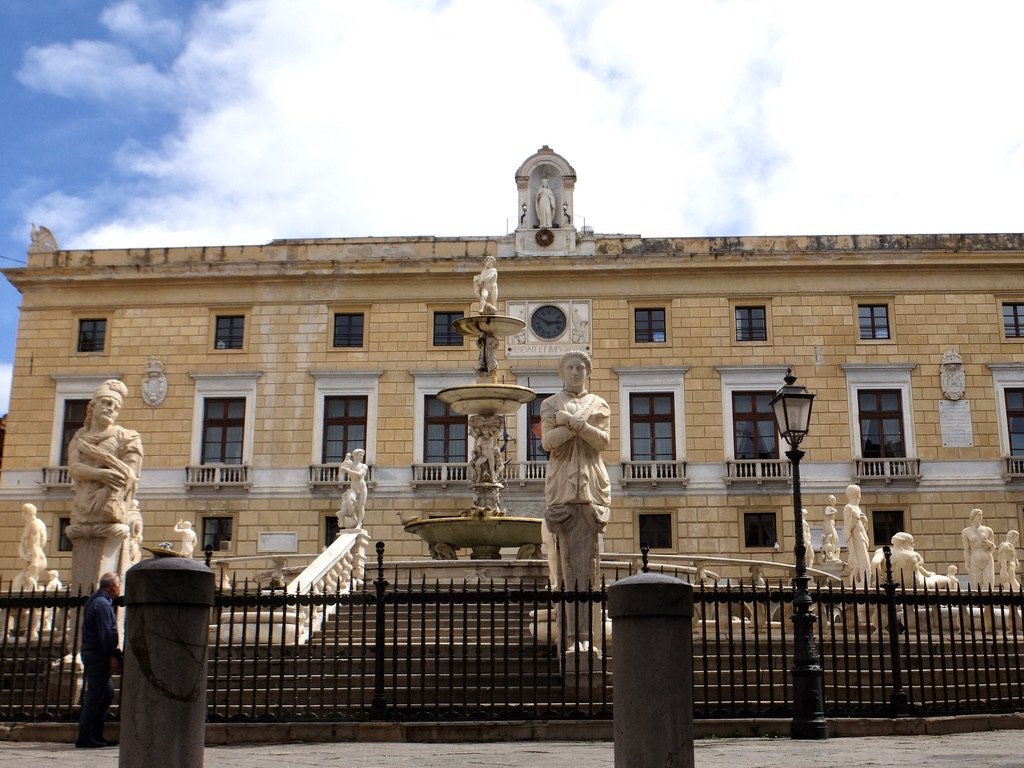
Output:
x=548 y=322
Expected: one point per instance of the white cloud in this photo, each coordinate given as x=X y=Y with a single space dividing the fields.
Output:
x=140 y=22
x=309 y=117
x=94 y=69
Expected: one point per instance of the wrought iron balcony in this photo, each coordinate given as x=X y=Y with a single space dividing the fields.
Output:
x=217 y=476
x=758 y=471
x=653 y=473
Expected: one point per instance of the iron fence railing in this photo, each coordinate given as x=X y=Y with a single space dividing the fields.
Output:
x=403 y=649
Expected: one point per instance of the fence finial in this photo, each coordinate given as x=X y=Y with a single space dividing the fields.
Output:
x=645 y=549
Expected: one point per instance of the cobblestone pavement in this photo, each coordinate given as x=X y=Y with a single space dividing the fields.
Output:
x=994 y=749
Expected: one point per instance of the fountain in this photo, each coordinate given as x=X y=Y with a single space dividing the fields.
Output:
x=484 y=528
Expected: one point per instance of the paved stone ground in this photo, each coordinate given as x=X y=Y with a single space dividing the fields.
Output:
x=992 y=749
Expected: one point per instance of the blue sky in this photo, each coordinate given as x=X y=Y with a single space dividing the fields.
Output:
x=135 y=123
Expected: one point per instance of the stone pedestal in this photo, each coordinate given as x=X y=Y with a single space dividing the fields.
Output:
x=652 y=616
x=163 y=699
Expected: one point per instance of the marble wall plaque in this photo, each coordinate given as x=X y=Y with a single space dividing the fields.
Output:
x=278 y=542
x=955 y=423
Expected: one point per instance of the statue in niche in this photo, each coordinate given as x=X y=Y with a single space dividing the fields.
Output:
x=104 y=460
x=855 y=522
x=486 y=286
x=31 y=550
x=1008 y=562
x=979 y=549
x=952 y=376
x=830 y=537
x=545 y=205
x=188 y=537
x=575 y=428
x=353 y=500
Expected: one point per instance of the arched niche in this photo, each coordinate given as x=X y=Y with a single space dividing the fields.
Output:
x=545 y=163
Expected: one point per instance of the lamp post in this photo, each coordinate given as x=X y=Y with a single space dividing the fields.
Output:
x=792 y=407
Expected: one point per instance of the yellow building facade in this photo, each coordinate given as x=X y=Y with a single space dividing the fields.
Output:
x=252 y=370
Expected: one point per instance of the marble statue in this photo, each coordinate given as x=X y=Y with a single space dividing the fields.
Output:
x=855 y=522
x=486 y=286
x=830 y=537
x=487 y=364
x=134 y=543
x=53 y=586
x=41 y=240
x=188 y=537
x=353 y=500
x=487 y=464
x=1008 y=562
x=907 y=564
x=31 y=549
x=575 y=427
x=979 y=551
x=104 y=462
x=545 y=205
x=805 y=527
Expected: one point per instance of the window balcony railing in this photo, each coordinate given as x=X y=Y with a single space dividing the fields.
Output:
x=56 y=478
x=216 y=476
x=330 y=477
x=524 y=472
x=653 y=473
x=888 y=470
x=439 y=474
x=758 y=471
x=1014 y=468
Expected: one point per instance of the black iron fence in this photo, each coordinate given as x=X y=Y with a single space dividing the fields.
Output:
x=405 y=649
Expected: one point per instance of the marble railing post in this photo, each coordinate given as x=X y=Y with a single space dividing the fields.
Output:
x=652 y=615
x=163 y=696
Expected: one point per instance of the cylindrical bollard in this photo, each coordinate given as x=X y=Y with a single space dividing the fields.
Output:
x=651 y=617
x=163 y=693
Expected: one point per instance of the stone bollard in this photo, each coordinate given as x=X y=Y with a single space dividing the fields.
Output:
x=163 y=688
x=652 y=615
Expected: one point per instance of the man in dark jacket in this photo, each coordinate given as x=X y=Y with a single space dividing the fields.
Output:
x=101 y=657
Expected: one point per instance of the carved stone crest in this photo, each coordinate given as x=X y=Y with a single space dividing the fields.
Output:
x=952 y=376
x=154 y=383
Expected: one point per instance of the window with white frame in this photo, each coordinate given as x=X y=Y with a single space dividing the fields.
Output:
x=344 y=414
x=748 y=427
x=544 y=382
x=1008 y=379
x=651 y=423
x=881 y=420
x=224 y=417
x=427 y=385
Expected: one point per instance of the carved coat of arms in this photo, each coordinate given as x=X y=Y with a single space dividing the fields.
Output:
x=154 y=383
x=952 y=376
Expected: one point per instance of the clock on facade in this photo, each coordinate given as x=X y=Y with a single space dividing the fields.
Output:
x=548 y=322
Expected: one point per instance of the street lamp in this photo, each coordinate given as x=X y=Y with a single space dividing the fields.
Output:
x=792 y=407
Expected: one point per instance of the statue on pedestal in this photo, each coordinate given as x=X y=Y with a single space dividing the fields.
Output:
x=979 y=551
x=188 y=537
x=830 y=538
x=31 y=551
x=104 y=461
x=1008 y=562
x=574 y=430
x=353 y=500
x=855 y=522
